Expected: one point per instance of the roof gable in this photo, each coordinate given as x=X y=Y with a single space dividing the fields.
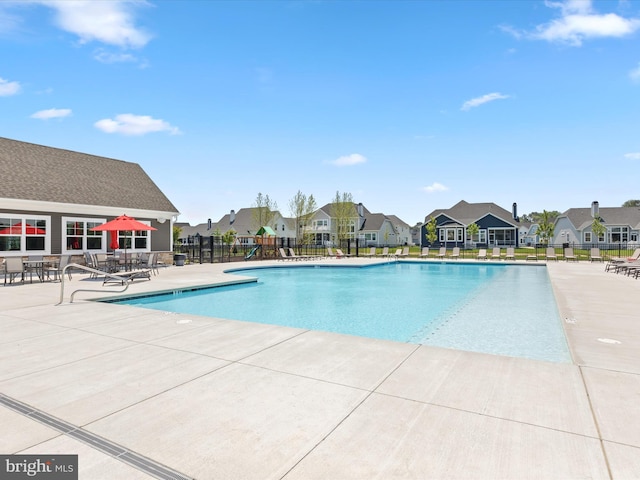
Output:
x=46 y=174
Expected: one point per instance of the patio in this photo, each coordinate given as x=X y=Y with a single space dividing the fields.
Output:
x=183 y=396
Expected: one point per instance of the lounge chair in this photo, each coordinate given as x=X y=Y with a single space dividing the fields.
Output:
x=618 y=264
x=550 y=254
x=496 y=254
x=442 y=252
x=124 y=277
x=283 y=254
x=371 y=253
x=398 y=253
x=510 y=254
x=294 y=256
x=482 y=254
x=385 y=252
x=569 y=255
x=330 y=253
x=13 y=267
x=405 y=252
x=339 y=253
x=424 y=253
x=594 y=255
x=455 y=253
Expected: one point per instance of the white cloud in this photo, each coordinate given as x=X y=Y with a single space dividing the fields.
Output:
x=476 y=102
x=578 y=22
x=435 y=187
x=52 y=113
x=635 y=74
x=632 y=156
x=108 y=57
x=8 y=88
x=111 y=22
x=129 y=124
x=348 y=160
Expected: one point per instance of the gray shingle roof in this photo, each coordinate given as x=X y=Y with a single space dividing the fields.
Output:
x=46 y=174
x=467 y=213
x=581 y=217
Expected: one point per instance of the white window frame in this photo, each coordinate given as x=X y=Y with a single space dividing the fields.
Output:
x=84 y=221
x=23 y=218
x=132 y=237
x=587 y=237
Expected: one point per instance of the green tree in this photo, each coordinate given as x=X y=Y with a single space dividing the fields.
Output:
x=264 y=211
x=546 y=225
x=301 y=209
x=432 y=230
x=177 y=231
x=631 y=203
x=598 y=228
x=472 y=232
x=229 y=236
x=343 y=215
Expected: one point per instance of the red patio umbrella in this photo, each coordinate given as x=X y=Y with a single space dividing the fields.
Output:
x=16 y=229
x=123 y=222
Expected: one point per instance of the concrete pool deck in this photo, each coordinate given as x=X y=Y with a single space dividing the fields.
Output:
x=210 y=398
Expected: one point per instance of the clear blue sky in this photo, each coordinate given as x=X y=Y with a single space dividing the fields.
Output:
x=408 y=105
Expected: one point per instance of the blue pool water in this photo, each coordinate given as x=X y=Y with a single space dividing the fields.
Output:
x=498 y=309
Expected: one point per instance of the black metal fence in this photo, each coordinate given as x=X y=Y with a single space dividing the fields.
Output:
x=213 y=250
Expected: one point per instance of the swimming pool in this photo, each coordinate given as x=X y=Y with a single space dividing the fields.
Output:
x=499 y=309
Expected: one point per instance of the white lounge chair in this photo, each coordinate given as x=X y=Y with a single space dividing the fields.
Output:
x=424 y=253
x=496 y=253
x=594 y=255
x=442 y=252
x=550 y=254
x=482 y=254
x=455 y=253
x=510 y=254
x=569 y=255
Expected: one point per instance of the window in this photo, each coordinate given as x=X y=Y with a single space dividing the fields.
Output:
x=587 y=237
x=78 y=237
x=21 y=234
x=619 y=234
x=135 y=240
x=633 y=237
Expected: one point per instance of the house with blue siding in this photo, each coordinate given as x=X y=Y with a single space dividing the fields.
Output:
x=497 y=226
x=622 y=225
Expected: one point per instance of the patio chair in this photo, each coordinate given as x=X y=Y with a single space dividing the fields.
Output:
x=35 y=264
x=424 y=253
x=594 y=255
x=496 y=253
x=405 y=252
x=56 y=269
x=442 y=252
x=482 y=254
x=385 y=252
x=510 y=254
x=330 y=253
x=550 y=254
x=569 y=255
x=13 y=267
x=455 y=253
x=339 y=253
x=398 y=253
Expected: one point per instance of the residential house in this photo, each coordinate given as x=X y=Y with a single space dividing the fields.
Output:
x=371 y=229
x=497 y=227
x=244 y=222
x=574 y=226
x=51 y=199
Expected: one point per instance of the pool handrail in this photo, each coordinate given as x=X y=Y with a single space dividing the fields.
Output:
x=125 y=281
